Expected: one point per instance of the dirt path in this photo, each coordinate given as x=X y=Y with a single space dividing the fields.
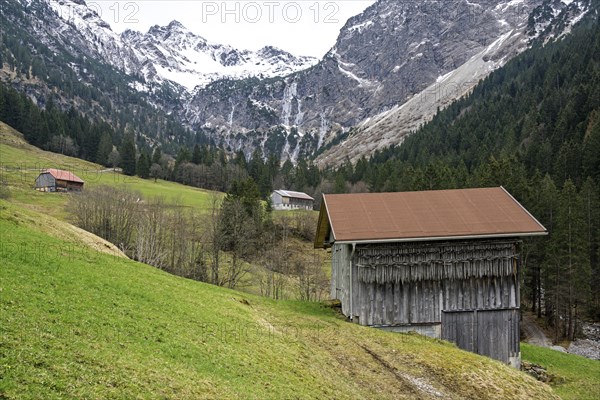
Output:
x=533 y=333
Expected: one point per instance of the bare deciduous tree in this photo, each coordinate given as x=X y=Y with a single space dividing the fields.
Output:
x=108 y=212
x=312 y=279
x=150 y=231
x=214 y=237
x=240 y=234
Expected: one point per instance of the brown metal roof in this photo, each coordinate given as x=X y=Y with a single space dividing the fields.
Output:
x=429 y=215
x=63 y=175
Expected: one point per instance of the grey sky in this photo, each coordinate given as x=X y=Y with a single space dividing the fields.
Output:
x=303 y=27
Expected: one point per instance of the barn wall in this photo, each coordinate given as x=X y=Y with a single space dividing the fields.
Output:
x=74 y=186
x=340 y=275
x=419 y=286
x=276 y=201
x=300 y=204
x=412 y=283
x=45 y=180
x=492 y=333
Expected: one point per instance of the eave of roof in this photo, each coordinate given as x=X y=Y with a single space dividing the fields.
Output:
x=323 y=226
x=359 y=223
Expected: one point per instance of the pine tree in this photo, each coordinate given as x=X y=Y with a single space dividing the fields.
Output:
x=197 y=155
x=128 y=155
x=156 y=155
x=35 y=129
x=104 y=148
x=256 y=165
x=591 y=148
x=240 y=160
x=547 y=210
x=301 y=176
x=339 y=185
x=287 y=174
x=143 y=166
x=590 y=198
x=569 y=268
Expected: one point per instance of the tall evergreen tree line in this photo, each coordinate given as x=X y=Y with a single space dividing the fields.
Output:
x=202 y=165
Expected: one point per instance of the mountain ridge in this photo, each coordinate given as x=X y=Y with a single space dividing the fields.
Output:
x=383 y=57
x=162 y=49
x=287 y=106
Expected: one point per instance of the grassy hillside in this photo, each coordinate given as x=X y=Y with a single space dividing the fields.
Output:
x=79 y=320
x=20 y=164
x=580 y=376
x=77 y=323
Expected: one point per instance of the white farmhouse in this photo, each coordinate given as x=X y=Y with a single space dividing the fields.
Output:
x=288 y=200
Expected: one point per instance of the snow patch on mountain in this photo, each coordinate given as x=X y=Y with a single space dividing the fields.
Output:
x=170 y=53
x=551 y=18
x=181 y=56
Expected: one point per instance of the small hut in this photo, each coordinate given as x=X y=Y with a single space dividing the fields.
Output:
x=442 y=263
x=57 y=180
x=289 y=200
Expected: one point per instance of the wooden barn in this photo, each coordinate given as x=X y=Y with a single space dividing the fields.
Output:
x=57 y=180
x=442 y=263
x=289 y=200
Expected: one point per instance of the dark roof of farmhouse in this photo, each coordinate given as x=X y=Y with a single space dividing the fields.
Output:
x=63 y=175
x=294 y=195
x=423 y=216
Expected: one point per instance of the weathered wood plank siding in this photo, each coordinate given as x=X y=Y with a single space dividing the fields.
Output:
x=492 y=333
x=410 y=283
x=340 y=275
x=45 y=181
x=426 y=285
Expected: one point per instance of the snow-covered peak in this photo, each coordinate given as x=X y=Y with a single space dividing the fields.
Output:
x=167 y=53
x=95 y=38
x=173 y=32
x=175 y=53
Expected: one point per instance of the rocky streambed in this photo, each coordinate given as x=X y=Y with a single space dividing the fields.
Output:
x=589 y=346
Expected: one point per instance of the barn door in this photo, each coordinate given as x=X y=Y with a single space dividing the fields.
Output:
x=459 y=328
x=492 y=333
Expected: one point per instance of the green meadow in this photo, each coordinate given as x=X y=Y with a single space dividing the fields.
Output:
x=578 y=377
x=78 y=323
x=81 y=320
x=21 y=163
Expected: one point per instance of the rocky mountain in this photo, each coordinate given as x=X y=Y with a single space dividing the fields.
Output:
x=512 y=28
x=63 y=49
x=391 y=68
x=174 y=53
x=171 y=54
x=166 y=53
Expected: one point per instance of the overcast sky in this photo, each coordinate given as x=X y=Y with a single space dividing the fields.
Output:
x=302 y=27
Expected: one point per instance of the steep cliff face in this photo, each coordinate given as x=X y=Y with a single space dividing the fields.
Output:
x=389 y=71
x=518 y=25
x=382 y=58
x=169 y=54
